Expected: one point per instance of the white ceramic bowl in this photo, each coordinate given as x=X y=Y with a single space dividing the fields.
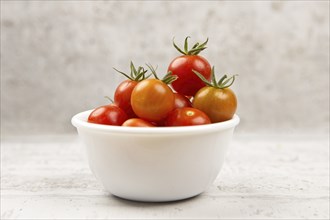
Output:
x=155 y=163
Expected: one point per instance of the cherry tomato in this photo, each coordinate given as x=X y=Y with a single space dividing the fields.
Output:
x=217 y=100
x=181 y=101
x=188 y=83
x=137 y=122
x=219 y=104
x=187 y=116
x=122 y=97
x=152 y=100
x=108 y=115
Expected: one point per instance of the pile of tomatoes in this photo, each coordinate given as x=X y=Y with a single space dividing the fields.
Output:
x=187 y=95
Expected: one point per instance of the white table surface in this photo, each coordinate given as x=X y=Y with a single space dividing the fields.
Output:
x=264 y=177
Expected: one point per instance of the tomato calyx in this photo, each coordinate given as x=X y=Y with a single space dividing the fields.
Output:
x=135 y=74
x=223 y=83
x=195 y=50
x=167 y=79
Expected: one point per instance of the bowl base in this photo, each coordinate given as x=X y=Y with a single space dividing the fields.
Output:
x=155 y=200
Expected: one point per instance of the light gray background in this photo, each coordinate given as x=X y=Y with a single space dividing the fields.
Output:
x=57 y=57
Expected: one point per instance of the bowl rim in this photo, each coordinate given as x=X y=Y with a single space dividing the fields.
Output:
x=80 y=122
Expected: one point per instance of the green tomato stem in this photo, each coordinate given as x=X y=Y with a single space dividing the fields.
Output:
x=135 y=74
x=223 y=83
x=167 y=79
x=195 y=50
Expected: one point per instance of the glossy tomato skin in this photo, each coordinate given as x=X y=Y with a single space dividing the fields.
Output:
x=188 y=83
x=122 y=97
x=108 y=115
x=137 y=122
x=187 y=116
x=152 y=100
x=181 y=101
x=219 y=104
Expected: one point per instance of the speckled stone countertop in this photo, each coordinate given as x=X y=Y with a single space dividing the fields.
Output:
x=264 y=177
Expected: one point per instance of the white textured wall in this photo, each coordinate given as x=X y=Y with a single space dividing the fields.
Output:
x=57 y=57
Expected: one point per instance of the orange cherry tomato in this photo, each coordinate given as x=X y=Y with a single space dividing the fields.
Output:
x=216 y=99
x=219 y=104
x=137 y=122
x=152 y=100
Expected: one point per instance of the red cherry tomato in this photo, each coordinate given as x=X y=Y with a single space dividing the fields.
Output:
x=181 y=101
x=188 y=83
x=108 y=115
x=122 y=97
x=123 y=92
x=152 y=100
x=137 y=122
x=187 y=116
